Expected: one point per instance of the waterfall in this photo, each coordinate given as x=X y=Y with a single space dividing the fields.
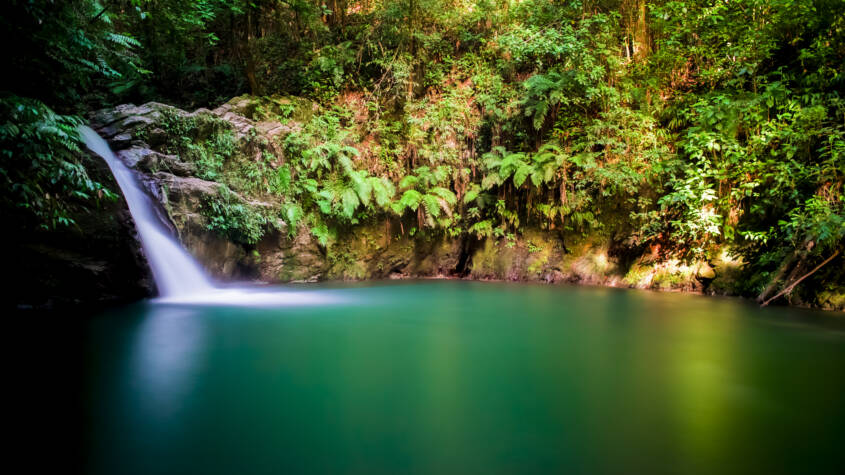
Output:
x=175 y=271
x=179 y=278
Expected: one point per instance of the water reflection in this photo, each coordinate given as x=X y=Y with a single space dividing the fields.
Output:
x=466 y=377
x=168 y=355
x=704 y=376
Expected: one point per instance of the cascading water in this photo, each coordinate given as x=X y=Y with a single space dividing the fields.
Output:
x=179 y=277
x=176 y=273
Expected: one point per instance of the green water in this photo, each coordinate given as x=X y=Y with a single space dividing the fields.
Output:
x=463 y=377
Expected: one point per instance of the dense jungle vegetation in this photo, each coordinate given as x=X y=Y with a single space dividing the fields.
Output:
x=680 y=126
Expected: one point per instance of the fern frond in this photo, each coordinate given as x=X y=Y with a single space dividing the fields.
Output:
x=123 y=40
x=472 y=193
x=432 y=205
x=409 y=181
x=521 y=173
x=410 y=199
x=383 y=190
x=445 y=194
x=349 y=202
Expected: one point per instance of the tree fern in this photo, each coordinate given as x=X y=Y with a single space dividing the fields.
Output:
x=542 y=92
x=510 y=164
x=432 y=205
x=521 y=174
x=349 y=202
x=383 y=190
x=410 y=199
x=545 y=164
x=472 y=193
x=409 y=181
x=445 y=194
x=482 y=229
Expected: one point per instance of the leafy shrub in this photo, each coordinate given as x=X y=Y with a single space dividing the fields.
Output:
x=41 y=170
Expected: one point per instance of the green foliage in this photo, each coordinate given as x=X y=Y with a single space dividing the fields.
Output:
x=62 y=58
x=329 y=69
x=65 y=53
x=684 y=124
x=231 y=217
x=202 y=139
x=433 y=203
x=42 y=169
x=818 y=219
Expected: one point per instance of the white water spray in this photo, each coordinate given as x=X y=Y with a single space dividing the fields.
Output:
x=176 y=273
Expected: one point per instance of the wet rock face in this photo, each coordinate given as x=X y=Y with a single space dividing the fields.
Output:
x=284 y=258
x=139 y=136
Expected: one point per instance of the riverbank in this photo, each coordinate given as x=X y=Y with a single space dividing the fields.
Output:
x=195 y=164
x=223 y=177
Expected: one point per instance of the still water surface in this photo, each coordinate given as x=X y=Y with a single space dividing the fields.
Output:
x=465 y=377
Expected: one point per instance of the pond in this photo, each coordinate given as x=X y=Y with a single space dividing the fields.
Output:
x=463 y=377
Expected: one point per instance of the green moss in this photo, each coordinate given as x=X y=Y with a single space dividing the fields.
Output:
x=230 y=217
x=202 y=138
x=280 y=108
x=670 y=280
x=730 y=273
x=832 y=299
x=490 y=260
x=664 y=275
x=291 y=270
x=347 y=265
x=539 y=262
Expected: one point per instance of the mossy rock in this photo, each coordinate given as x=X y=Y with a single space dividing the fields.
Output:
x=671 y=274
x=831 y=299
x=276 y=107
x=533 y=255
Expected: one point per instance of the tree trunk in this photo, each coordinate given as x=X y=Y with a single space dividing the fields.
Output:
x=250 y=60
x=413 y=42
x=641 y=32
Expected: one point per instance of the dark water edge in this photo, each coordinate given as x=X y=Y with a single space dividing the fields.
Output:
x=82 y=402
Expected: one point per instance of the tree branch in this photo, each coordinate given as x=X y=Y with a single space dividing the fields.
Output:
x=99 y=14
x=791 y=286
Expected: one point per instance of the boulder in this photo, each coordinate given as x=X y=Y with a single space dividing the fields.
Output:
x=705 y=271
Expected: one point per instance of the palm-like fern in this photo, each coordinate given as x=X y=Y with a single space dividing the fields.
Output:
x=500 y=165
x=423 y=195
x=351 y=188
x=41 y=171
x=545 y=164
x=543 y=92
x=321 y=157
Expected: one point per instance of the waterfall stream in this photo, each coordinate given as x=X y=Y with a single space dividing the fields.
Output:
x=176 y=272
